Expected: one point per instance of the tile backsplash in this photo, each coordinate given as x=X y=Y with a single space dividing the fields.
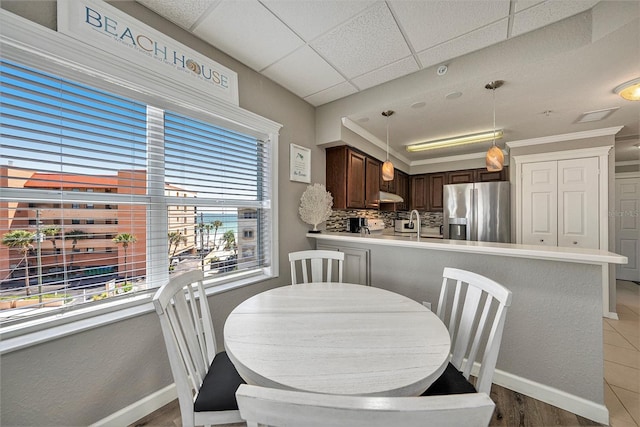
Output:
x=338 y=219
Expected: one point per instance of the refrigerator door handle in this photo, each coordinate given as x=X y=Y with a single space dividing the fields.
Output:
x=472 y=232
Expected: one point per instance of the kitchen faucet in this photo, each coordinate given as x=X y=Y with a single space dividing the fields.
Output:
x=417 y=220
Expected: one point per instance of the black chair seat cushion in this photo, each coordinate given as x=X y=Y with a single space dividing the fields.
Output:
x=450 y=382
x=218 y=391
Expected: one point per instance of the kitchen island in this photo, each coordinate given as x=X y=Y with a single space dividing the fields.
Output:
x=552 y=347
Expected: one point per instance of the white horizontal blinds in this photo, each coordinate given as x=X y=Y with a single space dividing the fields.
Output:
x=226 y=173
x=73 y=178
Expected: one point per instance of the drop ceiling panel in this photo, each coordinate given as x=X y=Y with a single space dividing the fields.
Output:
x=247 y=31
x=429 y=23
x=311 y=18
x=468 y=43
x=546 y=13
x=331 y=94
x=318 y=75
x=392 y=71
x=369 y=41
x=184 y=13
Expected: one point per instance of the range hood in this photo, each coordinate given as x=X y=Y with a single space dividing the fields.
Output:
x=390 y=198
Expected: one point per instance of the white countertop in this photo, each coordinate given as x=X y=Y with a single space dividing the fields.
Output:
x=578 y=255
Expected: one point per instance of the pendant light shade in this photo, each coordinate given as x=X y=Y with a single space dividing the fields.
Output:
x=387 y=171
x=494 y=158
x=387 y=166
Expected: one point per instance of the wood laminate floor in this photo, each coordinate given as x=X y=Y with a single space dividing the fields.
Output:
x=622 y=381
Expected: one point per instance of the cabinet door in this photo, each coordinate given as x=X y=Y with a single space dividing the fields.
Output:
x=436 y=183
x=336 y=170
x=356 y=263
x=419 y=192
x=578 y=224
x=540 y=203
x=372 y=186
x=355 y=180
x=483 y=175
x=402 y=190
x=461 y=177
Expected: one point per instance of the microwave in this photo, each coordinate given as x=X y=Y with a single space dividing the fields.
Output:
x=402 y=226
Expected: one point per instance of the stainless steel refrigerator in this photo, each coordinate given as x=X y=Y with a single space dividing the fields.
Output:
x=478 y=211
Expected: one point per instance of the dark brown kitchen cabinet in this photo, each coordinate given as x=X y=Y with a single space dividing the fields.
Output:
x=436 y=182
x=372 y=185
x=483 y=175
x=401 y=180
x=419 y=192
x=461 y=177
x=353 y=179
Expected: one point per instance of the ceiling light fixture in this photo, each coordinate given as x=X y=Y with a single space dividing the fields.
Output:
x=387 y=166
x=629 y=90
x=495 y=157
x=455 y=141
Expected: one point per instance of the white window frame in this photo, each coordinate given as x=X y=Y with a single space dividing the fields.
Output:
x=41 y=48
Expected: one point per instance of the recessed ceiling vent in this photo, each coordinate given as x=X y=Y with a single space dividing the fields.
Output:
x=594 y=116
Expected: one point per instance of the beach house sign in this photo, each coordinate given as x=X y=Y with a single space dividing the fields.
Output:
x=104 y=27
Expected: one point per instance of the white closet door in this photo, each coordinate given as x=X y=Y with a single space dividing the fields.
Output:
x=578 y=203
x=540 y=203
x=628 y=227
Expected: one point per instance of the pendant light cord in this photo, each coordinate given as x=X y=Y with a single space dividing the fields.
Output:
x=494 y=116
x=387 y=137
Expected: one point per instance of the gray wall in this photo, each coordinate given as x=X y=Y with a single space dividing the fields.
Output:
x=80 y=379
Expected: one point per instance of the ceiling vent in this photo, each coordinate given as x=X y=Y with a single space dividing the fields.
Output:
x=594 y=116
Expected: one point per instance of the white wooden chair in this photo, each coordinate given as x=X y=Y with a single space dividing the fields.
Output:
x=275 y=407
x=475 y=316
x=317 y=259
x=206 y=381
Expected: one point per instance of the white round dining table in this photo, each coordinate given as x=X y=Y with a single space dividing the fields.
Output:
x=337 y=338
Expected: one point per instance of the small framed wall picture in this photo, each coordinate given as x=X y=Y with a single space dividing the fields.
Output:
x=299 y=163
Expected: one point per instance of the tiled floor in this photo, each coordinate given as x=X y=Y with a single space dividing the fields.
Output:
x=622 y=358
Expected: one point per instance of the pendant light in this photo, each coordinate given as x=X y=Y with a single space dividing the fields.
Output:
x=387 y=166
x=495 y=157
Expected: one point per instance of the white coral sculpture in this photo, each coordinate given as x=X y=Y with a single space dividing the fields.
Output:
x=315 y=205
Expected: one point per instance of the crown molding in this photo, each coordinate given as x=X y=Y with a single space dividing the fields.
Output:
x=565 y=137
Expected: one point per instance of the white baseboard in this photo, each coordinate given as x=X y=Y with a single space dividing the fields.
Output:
x=569 y=402
x=611 y=315
x=139 y=409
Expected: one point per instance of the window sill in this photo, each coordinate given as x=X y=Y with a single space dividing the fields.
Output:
x=61 y=324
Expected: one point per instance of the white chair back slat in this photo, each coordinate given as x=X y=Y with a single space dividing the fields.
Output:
x=466 y=322
x=441 y=311
x=481 y=326
x=482 y=309
x=192 y=307
x=492 y=349
x=275 y=407
x=453 y=319
x=313 y=264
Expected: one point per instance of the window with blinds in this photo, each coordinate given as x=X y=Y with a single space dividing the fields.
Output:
x=103 y=197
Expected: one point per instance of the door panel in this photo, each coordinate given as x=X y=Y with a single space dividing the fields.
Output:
x=578 y=203
x=628 y=227
x=540 y=203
